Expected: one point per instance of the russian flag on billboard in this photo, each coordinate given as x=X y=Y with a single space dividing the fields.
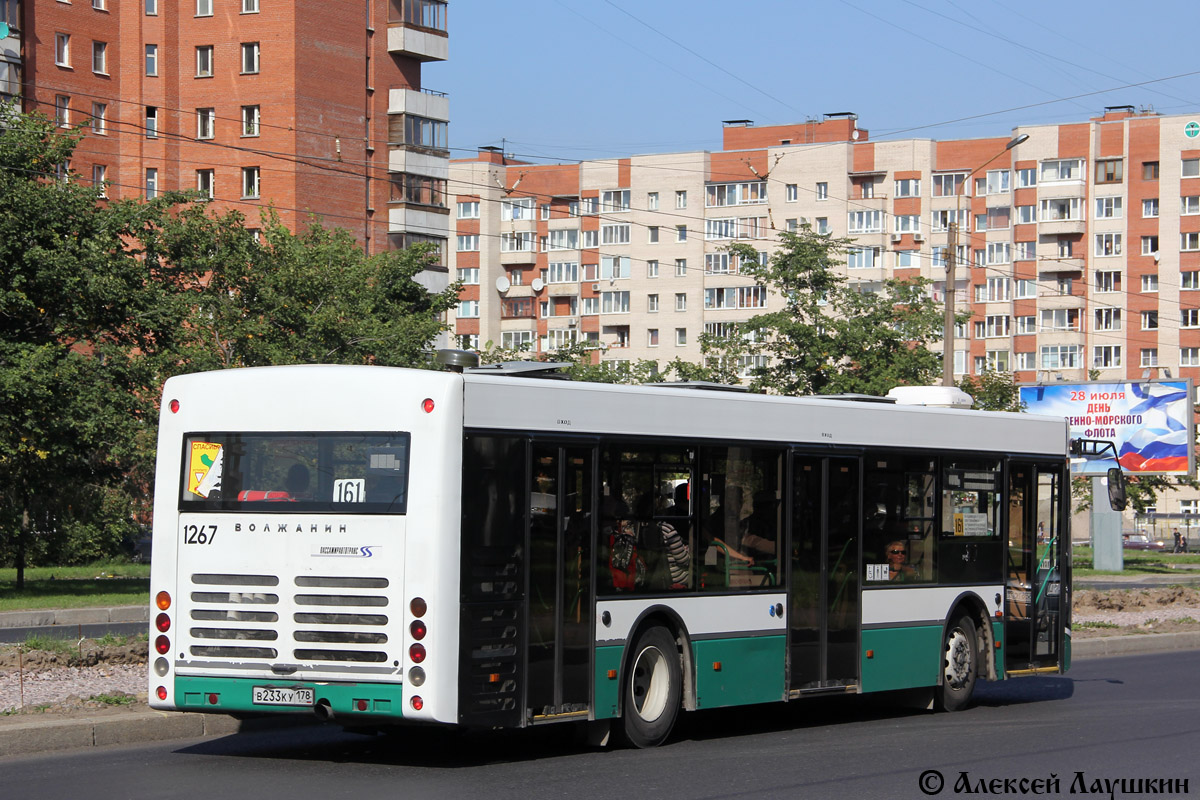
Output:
x=1162 y=443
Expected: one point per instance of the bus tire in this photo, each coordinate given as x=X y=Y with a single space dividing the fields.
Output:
x=653 y=689
x=960 y=665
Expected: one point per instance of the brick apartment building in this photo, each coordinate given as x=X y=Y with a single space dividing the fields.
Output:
x=1079 y=249
x=299 y=105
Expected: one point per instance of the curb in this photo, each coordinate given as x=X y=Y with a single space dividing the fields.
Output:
x=74 y=616
x=1135 y=643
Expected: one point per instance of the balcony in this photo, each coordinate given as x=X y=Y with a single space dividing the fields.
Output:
x=417 y=29
x=1056 y=227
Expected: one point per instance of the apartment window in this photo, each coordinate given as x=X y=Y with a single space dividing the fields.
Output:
x=204 y=8
x=791 y=192
x=1060 y=209
x=517 y=242
x=151 y=8
x=99 y=176
x=866 y=189
x=949 y=184
x=1068 y=169
x=249 y=6
x=1149 y=283
x=100 y=58
x=614 y=200
x=652 y=234
x=1149 y=245
x=1026 y=178
x=996 y=326
x=652 y=303
x=906 y=259
x=680 y=267
x=468 y=309
x=1026 y=325
x=1189 y=356
x=152 y=60
x=100 y=119
x=204 y=61
x=1025 y=289
x=468 y=243
x=1189 y=279
x=681 y=199
x=1149 y=320
x=822 y=190
x=250 y=121
x=865 y=222
x=1108 y=281
x=467 y=209
x=910 y=187
x=1026 y=251
x=589 y=306
x=1060 y=356
x=680 y=337
x=862 y=257
x=589 y=239
x=1109 y=208
x=681 y=233
x=1063 y=285
x=205 y=180
x=151 y=122
x=651 y=201
x=545 y=210
x=1026 y=215
x=1189 y=318
x=999 y=181
x=1149 y=357
x=1190 y=168
x=652 y=337
x=1189 y=205
x=151 y=183
x=1060 y=319
x=614 y=302
x=62 y=110
x=998 y=218
x=614 y=267
x=62 y=49
x=250 y=182
x=1150 y=207
x=1110 y=171
x=652 y=268
x=999 y=253
x=249 y=58
x=1108 y=244
x=942 y=219
x=1027 y=361
x=822 y=224
x=614 y=234
x=206 y=120
x=681 y=301
x=1149 y=170
x=1106 y=356
x=567 y=239
x=1066 y=247
x=519 y=208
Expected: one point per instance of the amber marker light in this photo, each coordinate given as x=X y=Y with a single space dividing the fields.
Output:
x=163 y=601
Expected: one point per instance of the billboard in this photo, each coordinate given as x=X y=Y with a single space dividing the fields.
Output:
x=1149 y=422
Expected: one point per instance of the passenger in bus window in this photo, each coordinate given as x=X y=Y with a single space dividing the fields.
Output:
x=761 y=539
x=297 y=482
x=897 y=560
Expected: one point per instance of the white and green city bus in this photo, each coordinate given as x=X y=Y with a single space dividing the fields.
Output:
x=487 y=548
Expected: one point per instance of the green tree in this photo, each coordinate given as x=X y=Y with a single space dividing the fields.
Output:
x=993 y=391
x=830 y=337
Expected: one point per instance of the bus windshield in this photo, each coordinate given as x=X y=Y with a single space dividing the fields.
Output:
x=362 y=473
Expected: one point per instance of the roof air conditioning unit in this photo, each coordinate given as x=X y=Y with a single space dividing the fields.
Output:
x=895 y=237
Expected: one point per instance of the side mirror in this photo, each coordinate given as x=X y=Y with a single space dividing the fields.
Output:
x=1116 y=489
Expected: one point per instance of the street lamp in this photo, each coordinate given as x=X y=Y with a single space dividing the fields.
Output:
x=952 y=262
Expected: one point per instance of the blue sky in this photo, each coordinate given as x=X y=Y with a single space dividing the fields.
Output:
x=563 y=80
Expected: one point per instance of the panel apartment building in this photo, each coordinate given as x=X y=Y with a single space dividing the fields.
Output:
x=312 y=108
x=1078 y=249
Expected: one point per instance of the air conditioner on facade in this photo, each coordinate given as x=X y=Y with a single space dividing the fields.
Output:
x=918 y=237
x=595 y=287
x=895 y=237
x=572 y=322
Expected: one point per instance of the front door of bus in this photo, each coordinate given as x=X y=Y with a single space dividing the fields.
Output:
x=560 y=506
x=824 y=599
x=1037 y=600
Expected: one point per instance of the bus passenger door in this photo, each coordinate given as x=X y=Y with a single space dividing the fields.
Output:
x=561 y=523
x=1037 y=603
x=824 y=600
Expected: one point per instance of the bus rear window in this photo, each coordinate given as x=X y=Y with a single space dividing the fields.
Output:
x=356 y=473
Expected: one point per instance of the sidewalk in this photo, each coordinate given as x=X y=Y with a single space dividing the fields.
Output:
x=30 y=735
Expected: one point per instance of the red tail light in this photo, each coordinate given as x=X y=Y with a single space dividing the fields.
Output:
x=417 y=702
x=418 y=606
x=417 y=653
x=162 y=644
x=162 y=622
x=161 y=692
x=417 y=629
x=174 y=405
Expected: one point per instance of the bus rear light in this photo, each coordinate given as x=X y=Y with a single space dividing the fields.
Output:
x=416 y=676
x=427 y=405
x=213 y=697
x=361 y=705
x=418 y=629
x=162 y=644
x=417 y=703
x=161 y=692
x=162 y=622
x=161 y=667
x=162 y=600
x=418 y=607
x=417 y=653
x=174 y=406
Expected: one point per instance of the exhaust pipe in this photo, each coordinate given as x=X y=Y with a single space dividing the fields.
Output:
x=323 y=711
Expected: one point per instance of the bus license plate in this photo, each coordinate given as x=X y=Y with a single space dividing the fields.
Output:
x=279 y=696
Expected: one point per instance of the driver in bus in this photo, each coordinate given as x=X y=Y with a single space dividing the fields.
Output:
x=897 y=560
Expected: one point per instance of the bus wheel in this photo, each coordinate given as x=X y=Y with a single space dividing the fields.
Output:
x=653 y=689
x=959 y=665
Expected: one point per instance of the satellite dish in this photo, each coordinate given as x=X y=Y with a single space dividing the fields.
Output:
x=538 y=284
x=503 y=284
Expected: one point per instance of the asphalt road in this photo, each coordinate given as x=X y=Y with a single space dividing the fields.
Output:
x=1115 y=718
